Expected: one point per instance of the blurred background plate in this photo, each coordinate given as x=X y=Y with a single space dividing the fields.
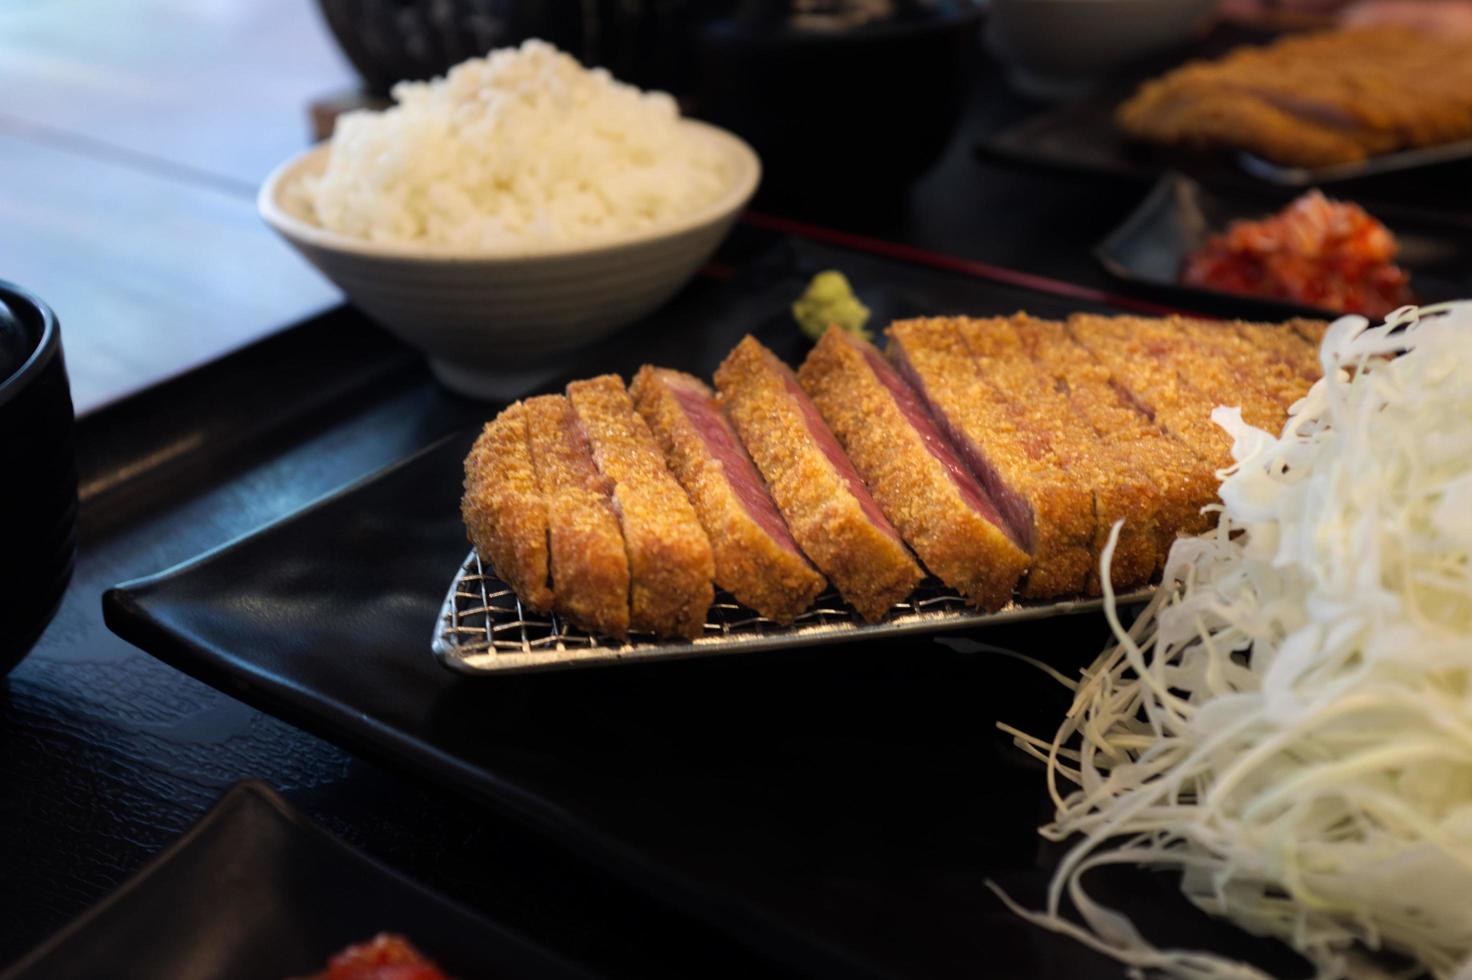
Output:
x=256 y=891
x=1175 y=218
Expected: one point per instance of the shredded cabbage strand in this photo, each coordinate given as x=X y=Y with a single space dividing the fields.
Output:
x=1289 y=722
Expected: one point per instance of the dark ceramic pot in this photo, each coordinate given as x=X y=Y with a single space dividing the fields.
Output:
x=841 y=115
x=648 y=43
x=38 y=481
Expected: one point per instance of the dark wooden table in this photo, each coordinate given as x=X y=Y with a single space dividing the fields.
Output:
x=133 y=135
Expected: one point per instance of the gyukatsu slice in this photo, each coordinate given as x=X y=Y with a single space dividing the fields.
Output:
x=1120 y=492
x=1153 y=382
x=503 y=508
x=912 y=470
x=756 y=558
x=1184 y=480
x=1234 y=376
x=590 y=569
x=832 y=516
x=1312 y=331
x=1255 y=364
x=1050 y=513
x=670 y=563
x=1284 y=342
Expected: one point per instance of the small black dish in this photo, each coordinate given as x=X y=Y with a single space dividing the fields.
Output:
x=1178 y=214
x=256 y=889
x=38 y=495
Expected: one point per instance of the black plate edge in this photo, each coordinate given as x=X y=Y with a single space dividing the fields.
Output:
x=255 y=792
x=1396 y=161
x=125 y=613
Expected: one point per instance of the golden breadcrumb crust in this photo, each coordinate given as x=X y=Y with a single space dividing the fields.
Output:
x=1120 y=493
x=869 y=565
x=1184 y=481
x=1277 y=383
x=961 y=547
x=503 y=508
x=1311 y=331
x=1286 y=344
x=1062 y=509
x=1220 y=364
x=670 y=563
x=590 y=568
x=1155 y=384
x=1314 y=100
x=763 y=574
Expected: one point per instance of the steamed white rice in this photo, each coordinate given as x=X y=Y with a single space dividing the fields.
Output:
x=524 y=147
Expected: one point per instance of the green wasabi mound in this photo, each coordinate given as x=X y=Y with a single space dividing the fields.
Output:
x=828 y=301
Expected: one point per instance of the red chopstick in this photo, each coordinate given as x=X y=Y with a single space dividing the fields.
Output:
x=953 y=263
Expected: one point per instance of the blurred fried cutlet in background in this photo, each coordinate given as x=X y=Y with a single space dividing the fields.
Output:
x=1314 y=100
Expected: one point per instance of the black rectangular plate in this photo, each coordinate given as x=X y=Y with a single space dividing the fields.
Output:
x=257 y=890
x=838 y=808
x=1174 y=219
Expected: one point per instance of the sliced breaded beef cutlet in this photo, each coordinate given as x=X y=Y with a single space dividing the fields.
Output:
x=504 y=511
x=756 y=558
x=1154 y=382
x=1255 y=365
x=1120 y=493
x=1184 y=480
x=590 y=568
x=670 y=563
x=912 y=470
x=1050 y=512
x=829 y=511
x=1287 y=344
x=1214 y=360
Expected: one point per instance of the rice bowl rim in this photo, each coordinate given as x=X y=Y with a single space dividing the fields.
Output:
x=297 y=229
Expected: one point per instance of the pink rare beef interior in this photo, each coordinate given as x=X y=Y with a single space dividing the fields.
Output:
x=935 y=442
x=741 y=472
x=823 y=436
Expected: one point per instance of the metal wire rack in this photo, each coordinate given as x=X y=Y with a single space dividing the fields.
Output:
x=484 y=629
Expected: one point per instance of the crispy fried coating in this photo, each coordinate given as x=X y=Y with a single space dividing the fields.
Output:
x=756 y=558
x=1311 y=331
x=590 y=568
x=1286 y=344
x=1052 y=511
x=504 y=511
x=1314 y=100
x=1184 y=481
x=1119 y=493
x=942 y=511
x=826 y=506
x=1225 y=368
x=670 y=562
x=1153 y=382
x=1276 y=383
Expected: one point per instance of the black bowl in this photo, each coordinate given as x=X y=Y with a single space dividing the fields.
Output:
x=38 y=494
x=648 y=45
x=846 y=115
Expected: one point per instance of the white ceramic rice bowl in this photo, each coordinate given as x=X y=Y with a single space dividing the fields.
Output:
x=480 y=317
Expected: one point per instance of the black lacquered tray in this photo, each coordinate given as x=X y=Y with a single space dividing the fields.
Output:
x=839 y=809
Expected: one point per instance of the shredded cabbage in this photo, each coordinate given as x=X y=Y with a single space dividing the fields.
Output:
x=1289 y=724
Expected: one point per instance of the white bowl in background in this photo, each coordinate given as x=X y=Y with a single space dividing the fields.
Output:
x=1060 y=48
x=489 y=321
